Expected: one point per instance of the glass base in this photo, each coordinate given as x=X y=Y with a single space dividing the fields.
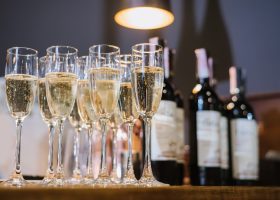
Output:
x=151 y=182
x=74 y=181
x=47 y=179
x=128 y=181
x=16 y=180
x=58 y=182
x=104 y=181
x=88 y=181
x=129 y=178
x=114 y=177
x=115 y=180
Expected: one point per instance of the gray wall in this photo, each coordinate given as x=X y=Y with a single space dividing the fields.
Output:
x=240 y=32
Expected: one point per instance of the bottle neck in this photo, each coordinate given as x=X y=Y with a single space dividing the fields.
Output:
x=204 y=81
x=171 y=79
x=166 y=62
x=172 y=53
x=179 y=99
x=238 y=95
x=202 y=71
x=237 y=82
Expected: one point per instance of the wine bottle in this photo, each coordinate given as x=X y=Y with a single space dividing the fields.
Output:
x=163 y=136
x=244 y=132
x=180 y=120
x=204 y=120
x=224 y=131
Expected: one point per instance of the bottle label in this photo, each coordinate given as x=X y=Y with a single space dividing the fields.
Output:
x=224 y=142
x=244 y=137
x=163 y=136
x=207 y=123
x=180 y=129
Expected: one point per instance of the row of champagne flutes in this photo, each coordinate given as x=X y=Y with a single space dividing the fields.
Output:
x=87 y=90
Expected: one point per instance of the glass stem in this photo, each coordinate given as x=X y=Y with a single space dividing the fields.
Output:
x=18 y=146
x=77 y=171
x=103 y=168
x=89 y=156
x=50 y=170
x=130 y=171
x=59 y=170
x=147 y=171
x=114 y=153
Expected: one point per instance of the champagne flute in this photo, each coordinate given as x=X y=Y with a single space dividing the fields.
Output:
x=77 y=124
x=128 y=113
x=47 y=117
x=104 y=79
x=147 y=83
x=86 y=111
x=21 y=85
x=115 y=123
x=61 y=87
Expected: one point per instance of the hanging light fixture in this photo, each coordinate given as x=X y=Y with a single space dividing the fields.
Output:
x=144 y=14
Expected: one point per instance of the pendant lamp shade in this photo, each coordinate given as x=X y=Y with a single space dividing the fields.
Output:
x=144 y=14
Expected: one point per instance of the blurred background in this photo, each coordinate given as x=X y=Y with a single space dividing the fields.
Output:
x=236 y=32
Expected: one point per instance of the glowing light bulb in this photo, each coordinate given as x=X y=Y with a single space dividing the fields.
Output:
x=144 y=18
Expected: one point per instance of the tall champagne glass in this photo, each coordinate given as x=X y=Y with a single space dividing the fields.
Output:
x=86 y=111
x=128 y=113
x=61 y=85
x=21 y=85
x=147 y=82
x=104 y=79
x=115 y=123
x=77 y=123
x=47 y=117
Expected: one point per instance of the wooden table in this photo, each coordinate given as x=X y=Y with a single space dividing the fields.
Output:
x=168 y=193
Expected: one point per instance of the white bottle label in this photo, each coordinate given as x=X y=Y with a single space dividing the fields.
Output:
x=208 y=143
x=180 y=129
x=163 y=136
x=244 y=137
x=224 y=142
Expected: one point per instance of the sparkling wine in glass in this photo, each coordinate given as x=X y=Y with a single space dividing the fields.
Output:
x=147 y=83
x=61 y=87
x=86 y=112
x=104 y=77
x=21 y=76
x=128 y=113
x=47 y=118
